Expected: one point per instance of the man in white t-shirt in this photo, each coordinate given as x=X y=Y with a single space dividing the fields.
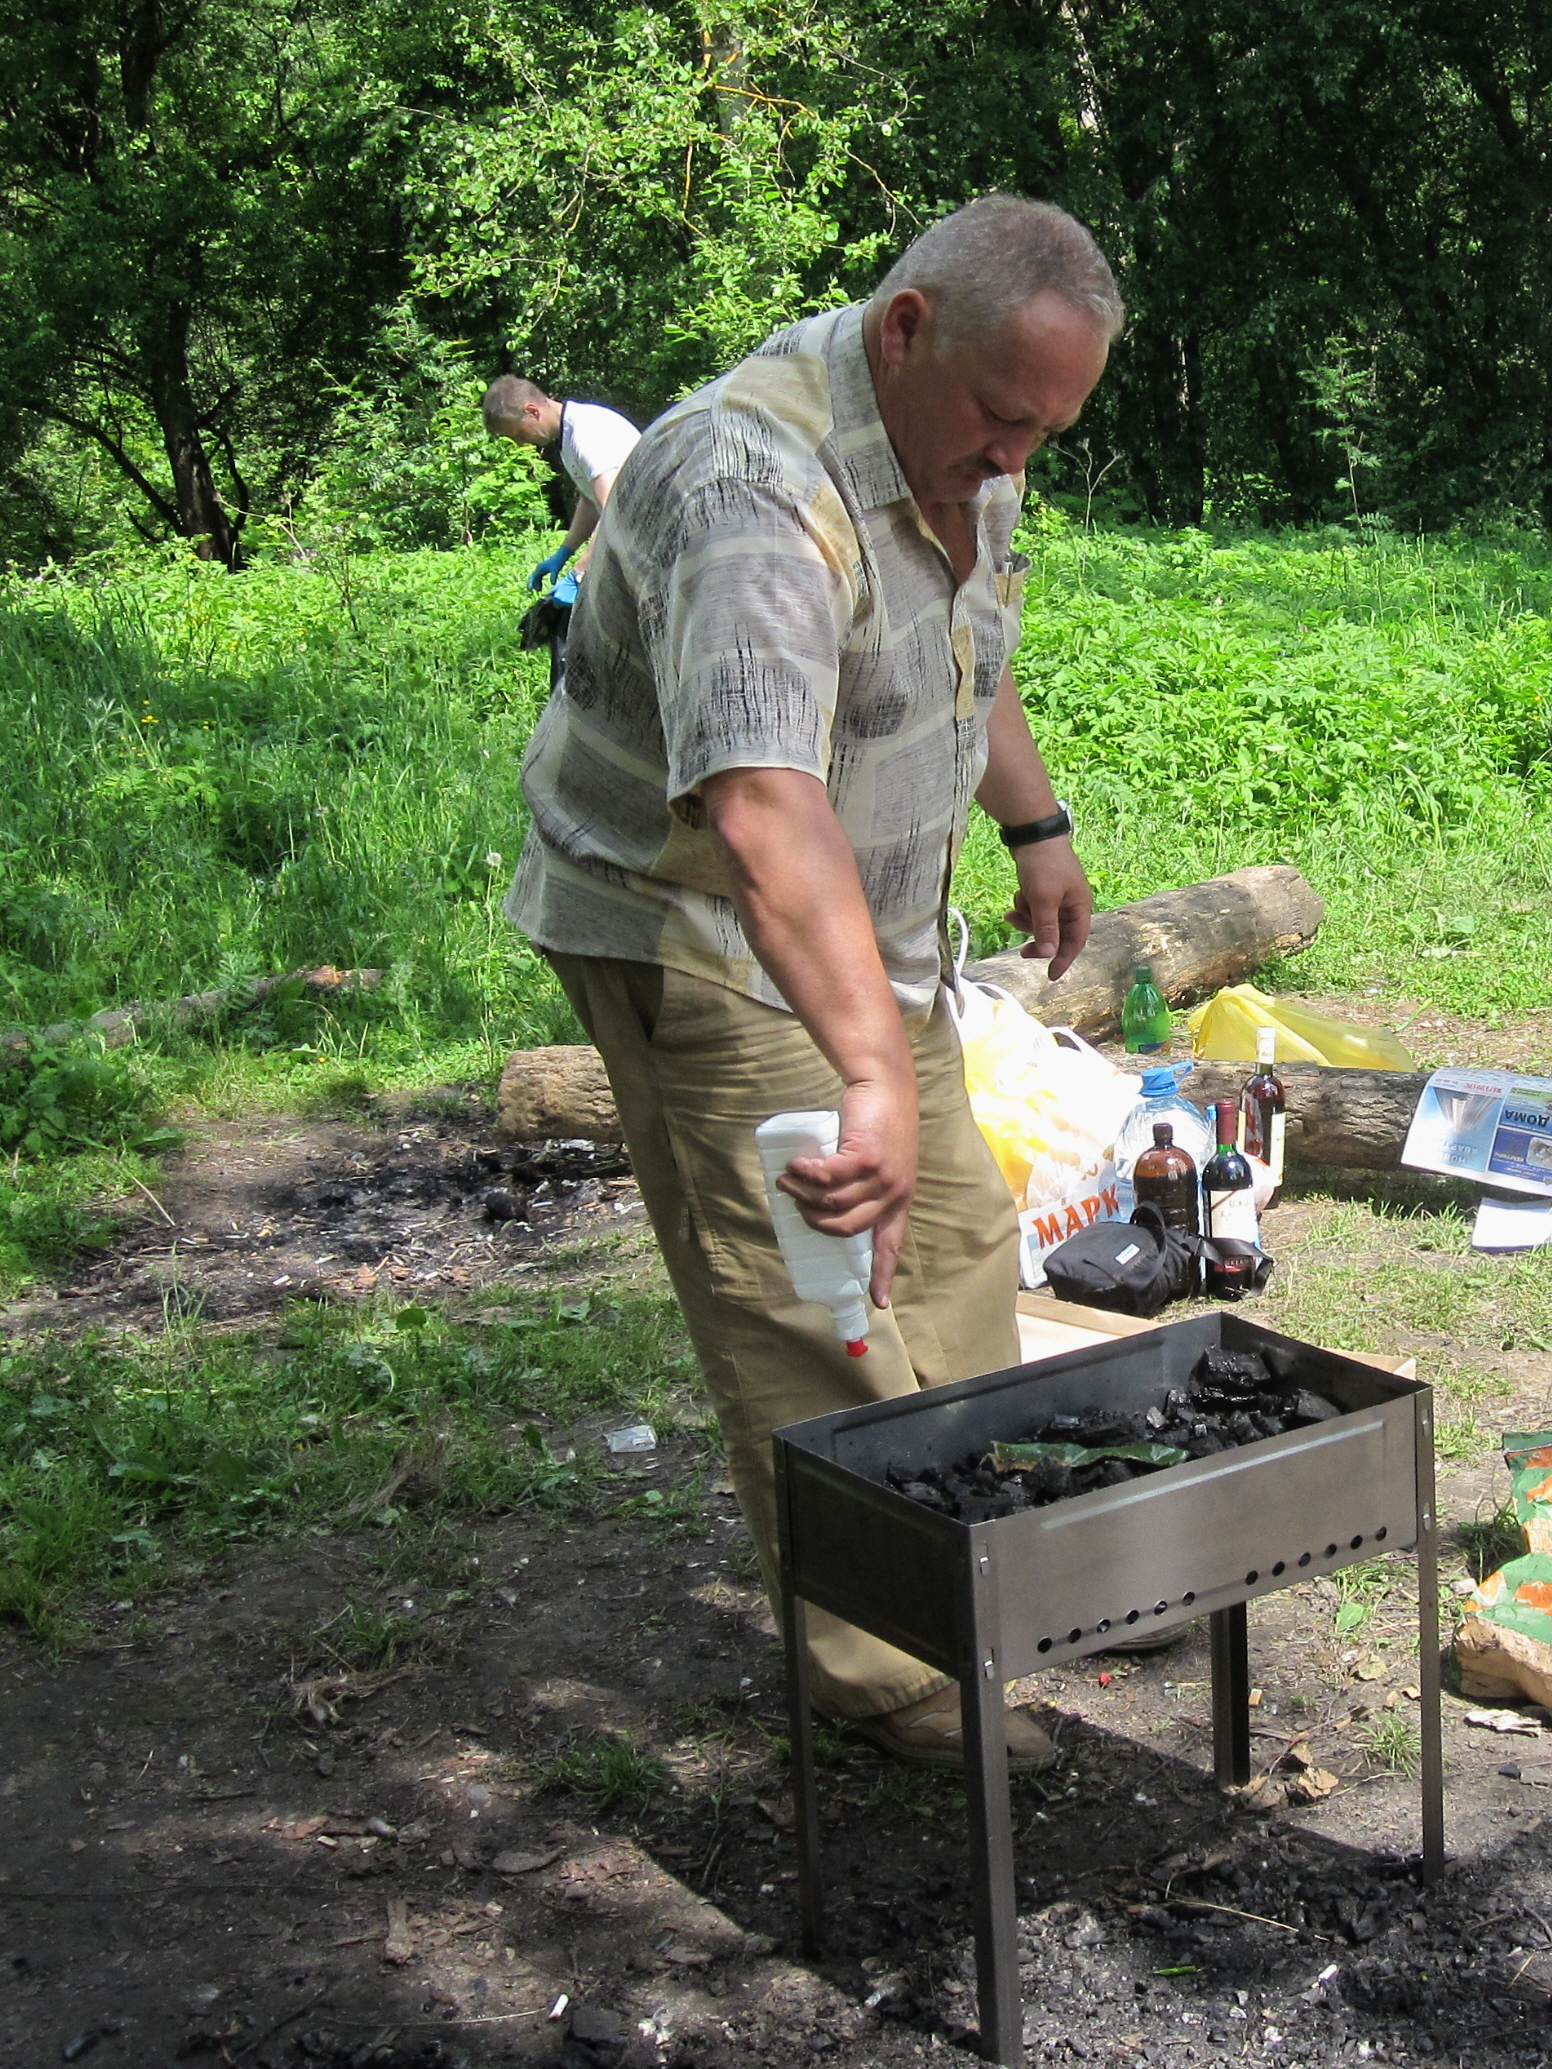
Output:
x=594 y=442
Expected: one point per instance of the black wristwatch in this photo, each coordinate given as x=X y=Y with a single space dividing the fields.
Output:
x=1051 y=828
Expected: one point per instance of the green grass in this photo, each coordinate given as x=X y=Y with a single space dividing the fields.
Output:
x=1375 y=712
x=606 y=1770
x=122 y=1463
x=1392 y=1742
x=1364 y=1278
x=211 y=779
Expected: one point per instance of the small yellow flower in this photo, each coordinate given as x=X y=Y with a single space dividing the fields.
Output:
x=150 y=719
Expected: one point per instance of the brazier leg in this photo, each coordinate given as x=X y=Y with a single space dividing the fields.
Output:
x=1431 y=1765
x=991 y=1866
x=1230 y=1697
x=800 y=1735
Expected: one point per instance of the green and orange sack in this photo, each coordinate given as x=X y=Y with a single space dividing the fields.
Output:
x=1504 y=1647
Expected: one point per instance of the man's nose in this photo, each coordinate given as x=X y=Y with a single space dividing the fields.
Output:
x=1008 y=452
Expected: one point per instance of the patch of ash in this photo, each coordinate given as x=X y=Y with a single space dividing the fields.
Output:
x=250 y=1218
x=1281 y=1946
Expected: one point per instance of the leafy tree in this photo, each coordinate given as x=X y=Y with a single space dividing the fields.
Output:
x=195 y=209
x=646 y=194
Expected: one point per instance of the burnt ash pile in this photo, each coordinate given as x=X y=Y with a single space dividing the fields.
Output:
x=1232 y=1398
x=256 y=1215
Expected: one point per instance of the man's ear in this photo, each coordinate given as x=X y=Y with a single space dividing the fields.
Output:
x=906 y=324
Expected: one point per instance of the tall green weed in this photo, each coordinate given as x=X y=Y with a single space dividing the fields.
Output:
x=1376 y=711
x=214 y=778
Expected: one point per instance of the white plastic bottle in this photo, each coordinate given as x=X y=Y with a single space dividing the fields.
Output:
x=832 y=1270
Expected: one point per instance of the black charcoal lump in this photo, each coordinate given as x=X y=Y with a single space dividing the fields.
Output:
x=1232 y=1398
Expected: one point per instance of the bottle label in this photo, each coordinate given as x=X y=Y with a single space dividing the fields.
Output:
x=1233 y=1214
x=1261 y=1133
x=1274 y=1148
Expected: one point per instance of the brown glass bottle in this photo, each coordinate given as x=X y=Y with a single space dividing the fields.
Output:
x=1263 y=1112
x=1165 y=1177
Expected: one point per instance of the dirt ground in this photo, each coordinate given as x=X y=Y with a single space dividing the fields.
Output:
x=206 y=1856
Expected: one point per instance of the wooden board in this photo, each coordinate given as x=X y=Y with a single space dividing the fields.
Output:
x=1048 y=1327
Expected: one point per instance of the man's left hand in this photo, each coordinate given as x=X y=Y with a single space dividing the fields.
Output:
x=1054 y=904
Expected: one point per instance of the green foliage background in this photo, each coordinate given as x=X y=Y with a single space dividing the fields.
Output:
x=212 y=780
x=257 y=259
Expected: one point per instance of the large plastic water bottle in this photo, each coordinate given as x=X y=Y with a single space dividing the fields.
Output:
x=1162 y=1100
x=832 y=1270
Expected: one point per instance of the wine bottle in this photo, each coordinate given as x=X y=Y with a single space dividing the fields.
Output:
x=1230 y=1210
x=1263 y=1115
x=1144 y=1014
x=1165 y=1177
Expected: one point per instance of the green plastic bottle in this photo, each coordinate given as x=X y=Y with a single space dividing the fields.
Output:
x=1145 y=1014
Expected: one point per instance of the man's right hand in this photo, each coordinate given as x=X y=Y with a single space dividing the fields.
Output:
x=798 y=894
x=551 y=565
x=869 y=1181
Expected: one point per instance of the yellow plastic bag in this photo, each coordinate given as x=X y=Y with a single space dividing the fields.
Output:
x=1225 y=1030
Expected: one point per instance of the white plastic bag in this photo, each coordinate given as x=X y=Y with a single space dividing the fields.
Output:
x=1050 y=1108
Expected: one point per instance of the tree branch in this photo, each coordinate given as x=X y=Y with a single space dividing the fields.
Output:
x=115 y=451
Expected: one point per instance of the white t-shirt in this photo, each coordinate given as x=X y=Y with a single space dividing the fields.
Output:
x=593 y=441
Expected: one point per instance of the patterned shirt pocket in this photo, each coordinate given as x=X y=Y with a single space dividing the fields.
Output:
x=1010 y=582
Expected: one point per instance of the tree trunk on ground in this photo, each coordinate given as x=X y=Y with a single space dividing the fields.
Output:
x=1196 y=939
x=556 y=1094
x=1344 y=1120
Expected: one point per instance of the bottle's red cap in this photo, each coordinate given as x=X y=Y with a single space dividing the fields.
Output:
x=857 y=1347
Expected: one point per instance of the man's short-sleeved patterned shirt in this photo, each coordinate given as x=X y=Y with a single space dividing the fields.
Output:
x=764 y=593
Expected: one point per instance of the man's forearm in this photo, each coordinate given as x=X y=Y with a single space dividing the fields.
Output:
x=583 y=524
x=799 y=897
x=1015 y=787
x=800 y=902
x=1054 y=903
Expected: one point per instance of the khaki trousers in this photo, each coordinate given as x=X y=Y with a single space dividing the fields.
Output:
x=695 y=1068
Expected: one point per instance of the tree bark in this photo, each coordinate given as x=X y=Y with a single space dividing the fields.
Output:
x=1195 y=940
x=1346 y=1120
x=202 y=516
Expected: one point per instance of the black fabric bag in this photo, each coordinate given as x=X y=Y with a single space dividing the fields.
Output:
x=1139 y=1266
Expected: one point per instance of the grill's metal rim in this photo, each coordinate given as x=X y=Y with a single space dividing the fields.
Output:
x=1365 y=1517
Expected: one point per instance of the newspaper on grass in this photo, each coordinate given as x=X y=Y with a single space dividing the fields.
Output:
x=1496 y=1126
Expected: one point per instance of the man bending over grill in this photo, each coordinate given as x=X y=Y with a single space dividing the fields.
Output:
x=788 y=678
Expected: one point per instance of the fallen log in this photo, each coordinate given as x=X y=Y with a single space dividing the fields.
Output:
x=1196 y=939
x=1343 y=1120
x=118 y=1027
x=560 y=1093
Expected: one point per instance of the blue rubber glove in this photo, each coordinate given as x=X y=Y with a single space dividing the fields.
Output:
x=551 y=567
x=565 y=590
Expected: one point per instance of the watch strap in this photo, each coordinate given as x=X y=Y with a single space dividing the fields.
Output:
x=1053 y=827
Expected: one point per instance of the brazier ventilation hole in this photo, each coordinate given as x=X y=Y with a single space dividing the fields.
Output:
x=1381 y=1534
x=1331 y=1551
x=1251 y=1578
x=1305 y=1557
x=1132 y=1616
x=1356 y=1543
